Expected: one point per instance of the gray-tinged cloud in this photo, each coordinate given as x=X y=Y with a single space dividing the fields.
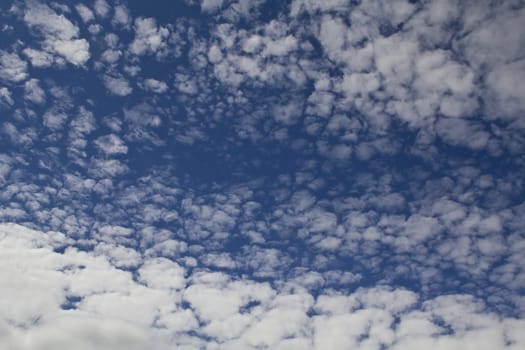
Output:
x=33 y=91
x=117 y=85
x=111 y=144
x=85 y=13
x=102 y=8
x=5 y=96
x=149 y=38
x=59 y=34
x=12 y=67
x=155 y=86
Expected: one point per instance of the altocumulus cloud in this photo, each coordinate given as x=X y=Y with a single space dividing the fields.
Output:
x=262 y=175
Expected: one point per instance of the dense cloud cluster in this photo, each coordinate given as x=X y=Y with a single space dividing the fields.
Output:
x=231 y=174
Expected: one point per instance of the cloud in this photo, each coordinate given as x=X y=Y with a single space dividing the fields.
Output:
x=5 y=96
x=45 y=320
x=211 y=5
x=154 y=85
x=503 y=87
x=312 y=175
x=122 y=16
x=85 y=13
x=117 y=85
x=101 y=168
x=33 y=91
x=85 y=301
x=39 y=58
x=101 y=8
x=54 y=120
x=111 y=144
x=59 y=34
x=462 y=132
x=12 y=67
x=149 y=38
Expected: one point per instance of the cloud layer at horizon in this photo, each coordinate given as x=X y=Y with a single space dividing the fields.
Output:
x=231 y=174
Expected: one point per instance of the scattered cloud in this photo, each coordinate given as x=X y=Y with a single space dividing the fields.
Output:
x=117 y=85
x=59 y=33
x=235 y=175
x=12 y=67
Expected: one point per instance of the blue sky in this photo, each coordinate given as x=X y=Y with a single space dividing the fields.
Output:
x=259 y=174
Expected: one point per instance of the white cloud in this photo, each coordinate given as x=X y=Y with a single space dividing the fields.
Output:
x=111 y=144
x=211 y=6
x=280 y=47
x=122 y=16
x=56 y=277
x=59 y=33
x=107 y=168
x=102 y=8
x=12 y=67
x=39 y=58
x=117 y=85
x=85 y=13
x=75 y=51
x=54 y=120
x=142 y=114
x=299 y=6
x=103 y=300
x=5 y=96
x=115 y=230
x=162 y=273
x=462 y=132
x=345 y=134
x=154 y=85
x=33 y=91
x=149 y=38
x=505 y=94
x=94 y=29
x=111 y=56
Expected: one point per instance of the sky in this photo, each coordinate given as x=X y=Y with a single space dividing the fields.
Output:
x=262 y=174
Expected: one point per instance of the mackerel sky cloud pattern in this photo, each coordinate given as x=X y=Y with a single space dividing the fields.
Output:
x=233 y=174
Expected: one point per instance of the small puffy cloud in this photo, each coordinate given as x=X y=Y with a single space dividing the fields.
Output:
x=280 y=47
x=12 y=67
x=504 y=90
x=162 y=273
x=114 y=230
x=75 y=51
x=142 y=114
x=121 y=16
x=85 y=13
x=155 y=86
x=5 y=96
x=111 y=56
x=54 y=120
x=33 y=92
x=119 y=256
x=39 y=58
x=149 y=38
x=102 y=8
x=211 y=6
x=94 y=29
x=460 y=132
x=102 y=168
x=117 y=85
x=111 y=144
x=59 y=33
x=252 y=44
